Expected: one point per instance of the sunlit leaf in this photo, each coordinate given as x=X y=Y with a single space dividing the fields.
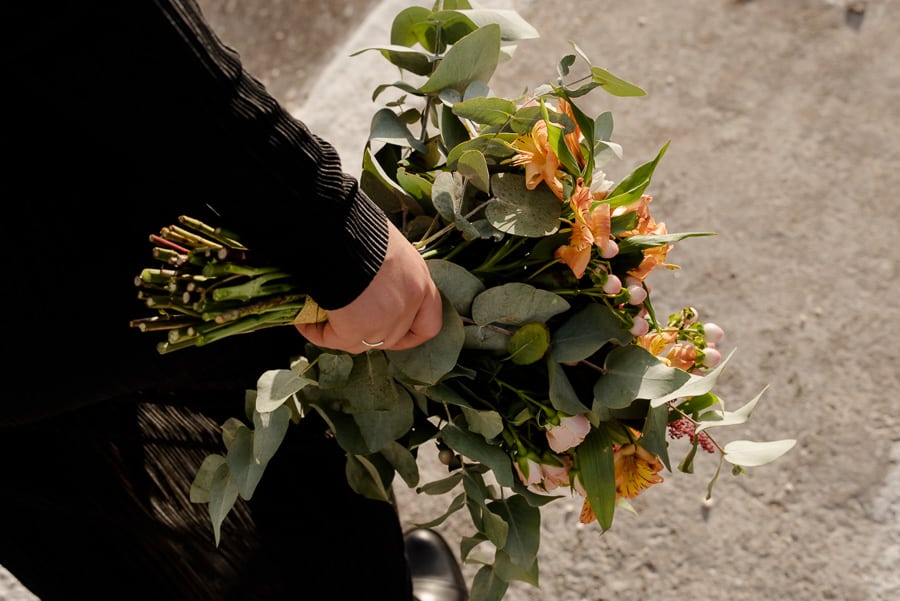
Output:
x=516 y=303
x=276 y=386
x=473 y=166
x=474 y=57
x=716 y=419
x=747 y=453
x=632 y=187
x=529 y=343
x=520 y=211
x=512 y=25
x=694 y=385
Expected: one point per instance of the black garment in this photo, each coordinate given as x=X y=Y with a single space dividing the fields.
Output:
x=117 y=118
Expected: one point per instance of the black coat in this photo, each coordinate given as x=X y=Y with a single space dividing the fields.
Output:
x=118 y=117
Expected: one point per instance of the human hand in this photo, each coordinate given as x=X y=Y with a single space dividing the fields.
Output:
x=400 y=309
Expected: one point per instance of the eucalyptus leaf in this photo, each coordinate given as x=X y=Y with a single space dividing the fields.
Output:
x=388 y=128
x=453 y=131
x=694 y=385
x=414 y=61
x=585 y=333
x=365 y=479
x=246 y=471
x=442 y=486
x=276 y=386
x=613 y=84
x=516 y=303
x=370 y=386
x=509 y=571
x=522 y=212
x=447 y=193
x=524 y=529
x=202 y=483
x=715 y=419
x=223 y=494
x=512 y=25
x=402 y=27
x=269 y=430
x=473 y=166
x=486 y=338
x=486 y=111
x=747 y=453
x=653 y=436
x=529 y=343
x=475 y=447
x=433 y=359
x=487 y=423
x=487 y=585
x=456 y=283
x=334 y=370
x=472 y=58
x=631 y=372
x=562 y=395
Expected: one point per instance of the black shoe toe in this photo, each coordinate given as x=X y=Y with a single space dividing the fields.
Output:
x=436 y=575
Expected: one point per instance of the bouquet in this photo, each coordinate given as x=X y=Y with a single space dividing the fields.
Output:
x=552 y=375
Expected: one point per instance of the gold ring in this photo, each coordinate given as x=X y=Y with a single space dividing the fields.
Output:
x=372 y=344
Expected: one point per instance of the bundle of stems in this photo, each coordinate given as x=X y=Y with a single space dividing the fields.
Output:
x=205 y=287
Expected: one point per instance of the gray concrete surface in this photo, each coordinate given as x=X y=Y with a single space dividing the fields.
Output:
x=786 y=141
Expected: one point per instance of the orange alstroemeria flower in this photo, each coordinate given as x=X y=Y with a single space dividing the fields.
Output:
x=636 y=468
x=646 y=226
x=541 y=163
x=573 y=138
x=590 y=228
x=665 y=347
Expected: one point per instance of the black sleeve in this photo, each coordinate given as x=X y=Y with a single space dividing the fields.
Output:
x=117 y=118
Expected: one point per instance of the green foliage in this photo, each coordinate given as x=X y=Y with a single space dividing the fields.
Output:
x=487 y=189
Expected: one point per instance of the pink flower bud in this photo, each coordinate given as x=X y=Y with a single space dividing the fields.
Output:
x=555 y=475
x=529 y=470
x=640 y=327
x=711 y=357
x=569 y=433
x=714 y=334
x=613 y=285
x=636 y=295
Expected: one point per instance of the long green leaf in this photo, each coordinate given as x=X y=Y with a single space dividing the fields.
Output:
x=595 y=460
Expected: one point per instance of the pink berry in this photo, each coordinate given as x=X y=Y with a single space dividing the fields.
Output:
x=613 y=285
x=609 y=250
x=714 y=334
x=640 y=327
x=636 y=295
x=711 y=357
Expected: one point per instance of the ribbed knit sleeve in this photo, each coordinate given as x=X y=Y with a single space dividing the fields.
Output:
x=327 y=230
